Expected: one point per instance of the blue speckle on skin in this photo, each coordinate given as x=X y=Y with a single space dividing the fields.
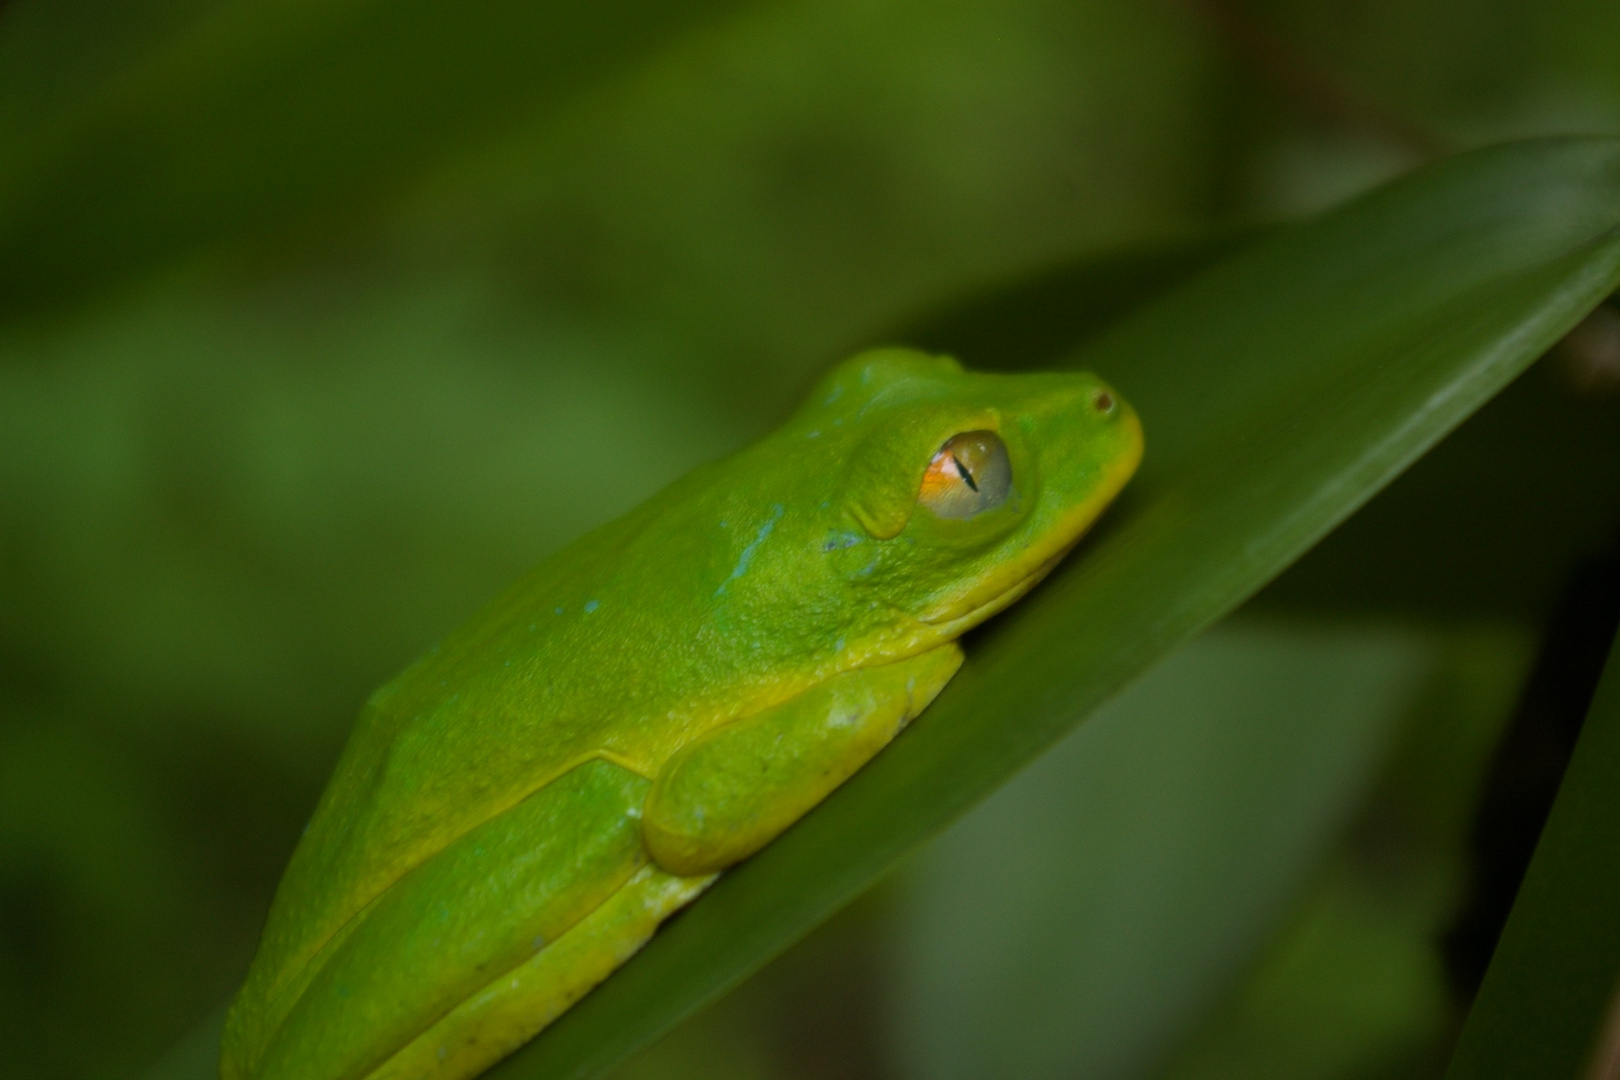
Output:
x=814 y=435
x=837 y=392
x=591 y=605
x=839 y=541
x=777 y=510
x=556 y=611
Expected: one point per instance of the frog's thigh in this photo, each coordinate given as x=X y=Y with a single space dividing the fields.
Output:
x=512 y=1009
x=725 y=796
x=483 y=906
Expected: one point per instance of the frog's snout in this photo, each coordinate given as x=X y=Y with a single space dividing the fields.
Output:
x=1092 y=420
x=1092 y=444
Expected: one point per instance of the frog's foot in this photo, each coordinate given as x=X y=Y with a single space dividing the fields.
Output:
x=728 y=794
x=515 y=1007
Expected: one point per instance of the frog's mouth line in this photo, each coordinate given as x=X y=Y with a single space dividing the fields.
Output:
x=954 y=625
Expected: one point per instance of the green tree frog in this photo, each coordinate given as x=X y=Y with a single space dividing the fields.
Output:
x=515 y=814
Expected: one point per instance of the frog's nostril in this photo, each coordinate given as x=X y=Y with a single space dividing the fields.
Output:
x=1102 y=401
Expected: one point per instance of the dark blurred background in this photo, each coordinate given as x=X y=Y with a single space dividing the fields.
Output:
x=320 y=322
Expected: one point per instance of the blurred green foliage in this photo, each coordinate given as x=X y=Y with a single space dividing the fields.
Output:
x=1073 y=924
x=318 y=323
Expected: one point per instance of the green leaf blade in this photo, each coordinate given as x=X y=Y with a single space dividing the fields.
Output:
x=1279 y=392
x=1553 y=980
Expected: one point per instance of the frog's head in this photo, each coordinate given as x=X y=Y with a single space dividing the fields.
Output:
x=960 y=490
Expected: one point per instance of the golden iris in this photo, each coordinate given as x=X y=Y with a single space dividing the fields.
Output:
x=968 y=475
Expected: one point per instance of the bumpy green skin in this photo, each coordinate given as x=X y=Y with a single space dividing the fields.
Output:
x=516 y=812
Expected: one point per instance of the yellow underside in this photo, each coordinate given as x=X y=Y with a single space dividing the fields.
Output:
x=514 y=1008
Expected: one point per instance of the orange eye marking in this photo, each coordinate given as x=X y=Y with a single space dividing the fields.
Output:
x=942 y=476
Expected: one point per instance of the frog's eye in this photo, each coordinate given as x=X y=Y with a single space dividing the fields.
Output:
x=969 y=474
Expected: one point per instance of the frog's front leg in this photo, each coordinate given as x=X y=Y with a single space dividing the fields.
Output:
x=725 y=796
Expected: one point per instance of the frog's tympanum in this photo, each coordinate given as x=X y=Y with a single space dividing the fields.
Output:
x=516 y=813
